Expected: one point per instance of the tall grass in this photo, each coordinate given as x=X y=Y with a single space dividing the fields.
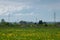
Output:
x=17 y=33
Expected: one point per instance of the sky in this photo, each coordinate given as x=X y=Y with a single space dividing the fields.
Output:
x=29 y=10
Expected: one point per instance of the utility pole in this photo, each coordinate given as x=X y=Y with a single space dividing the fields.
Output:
x=54 y=18
x=8 y=18
x=35 y=19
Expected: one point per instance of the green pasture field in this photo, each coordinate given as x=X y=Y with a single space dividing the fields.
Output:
x=15 y=33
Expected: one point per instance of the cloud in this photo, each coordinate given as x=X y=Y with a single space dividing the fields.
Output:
x=13 y=6
x=8 y=7
x=27 y=14
x=26 y=8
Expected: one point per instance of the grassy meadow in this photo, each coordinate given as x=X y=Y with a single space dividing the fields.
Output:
x=17 y=33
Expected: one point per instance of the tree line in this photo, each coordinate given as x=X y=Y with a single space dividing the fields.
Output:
x=4 y=23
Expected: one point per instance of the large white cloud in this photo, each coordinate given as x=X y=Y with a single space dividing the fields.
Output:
x=9 y=7
x=15 y=6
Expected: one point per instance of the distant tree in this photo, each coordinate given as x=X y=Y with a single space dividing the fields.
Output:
x=45 y=24
x=35 y=23
x=23 y=22
x=2 y=21
x=40 y=22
